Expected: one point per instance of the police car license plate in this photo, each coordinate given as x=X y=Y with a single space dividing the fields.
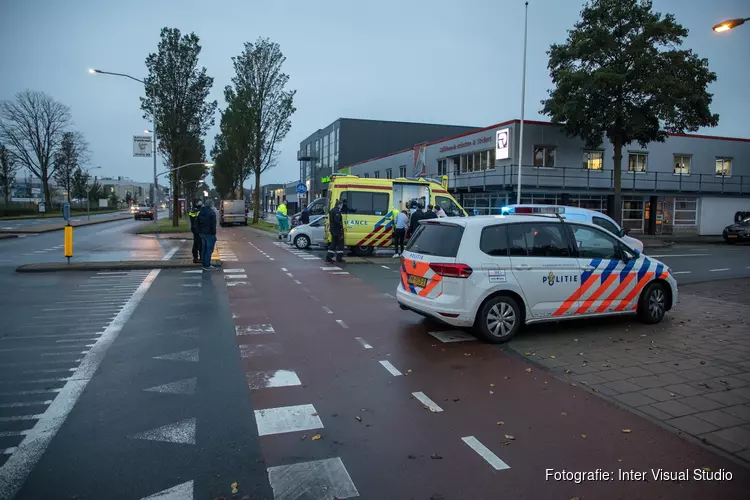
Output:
x=418 y=280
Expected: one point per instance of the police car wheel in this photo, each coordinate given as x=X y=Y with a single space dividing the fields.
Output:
x=302 y=242
x=499 y=319
x=652 y=304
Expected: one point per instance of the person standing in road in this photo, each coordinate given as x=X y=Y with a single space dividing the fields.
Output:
x=336 y=225
x=283 y=220
x=207 y=231
x=417 y=216
x=197 y=242
x=430 y=213
x=399 y=233
x=304 y=217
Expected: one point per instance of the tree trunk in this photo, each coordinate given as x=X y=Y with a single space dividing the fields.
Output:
x=256 y=198
x=617 y=202
x=47 y=194
x=175 y=197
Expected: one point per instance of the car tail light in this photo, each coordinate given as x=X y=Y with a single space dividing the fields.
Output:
x=452 y=270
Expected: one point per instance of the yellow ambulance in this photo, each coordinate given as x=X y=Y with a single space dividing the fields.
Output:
x=368 y=205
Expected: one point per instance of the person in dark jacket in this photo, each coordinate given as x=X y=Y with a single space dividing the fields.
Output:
x=417 y=216
x=430 y=213
x=336 y=225
x=207 y=231
x=197 y=242
x=304 y=217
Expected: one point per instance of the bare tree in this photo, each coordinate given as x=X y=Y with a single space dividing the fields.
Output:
x=32 y=126
x=72 y=153
x=8 y=169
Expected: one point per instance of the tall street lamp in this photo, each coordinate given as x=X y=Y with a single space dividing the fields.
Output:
x=88 y=194
x=523 y=102
x=156 y=186
x=729 y=24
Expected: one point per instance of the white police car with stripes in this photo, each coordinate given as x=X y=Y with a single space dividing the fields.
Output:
x=496 y=273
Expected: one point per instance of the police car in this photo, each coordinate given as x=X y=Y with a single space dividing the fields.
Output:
x=496 y=273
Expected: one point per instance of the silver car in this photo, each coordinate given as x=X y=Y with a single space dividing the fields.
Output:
x=306 y=235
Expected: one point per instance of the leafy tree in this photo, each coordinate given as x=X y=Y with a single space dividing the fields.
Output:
x=621 y=75
x=79 y=184
x=96 y=191
x=32 y=127
x=260 y=106
x=176 y=98
x=8 y=170
x=114 y=200
x=72 y=153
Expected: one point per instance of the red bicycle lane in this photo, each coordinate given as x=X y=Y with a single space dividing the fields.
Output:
x=554 y=426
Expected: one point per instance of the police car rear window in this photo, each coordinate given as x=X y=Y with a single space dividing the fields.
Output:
x=441 y=240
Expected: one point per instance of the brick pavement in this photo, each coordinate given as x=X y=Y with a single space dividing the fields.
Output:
x=691 y=372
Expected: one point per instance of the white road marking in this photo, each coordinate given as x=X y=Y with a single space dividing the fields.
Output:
x=391 y=369
x=341 y=323
x=25 y=403
x=718 y=270
x=182 y=432
x=298 y=282
x=34 y=391
x=253 y=329
x=88 y=338
x=186 y=386
x=430 y=404
x=290 y=275
x=270 y=258
x=192 y=355
x=170 y=253
x=272 y=378
x=9 y=451
x=385 y=267
x=362 y=341
x=681 y=272
x=287 y=419
x=250 y=350
x=74 y=353
x=320 y=479
x=235 y=276
x=36 y=381
x=332 y=268
x=20 y=417
x=681 y=255
x=452 y=336
x=283 y=269
x=236 y=283
x=114 y=273
x=340 y=272
x=327 y=309
x=193 y=285
x=485 y=453
x=230 y=271
x=182 y=491
x=193 y=271
x=13 y=433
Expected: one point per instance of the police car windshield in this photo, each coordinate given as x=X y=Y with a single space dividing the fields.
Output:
x=441 y=240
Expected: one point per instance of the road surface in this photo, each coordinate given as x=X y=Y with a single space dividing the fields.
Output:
x=31 y=223
x=297 y=379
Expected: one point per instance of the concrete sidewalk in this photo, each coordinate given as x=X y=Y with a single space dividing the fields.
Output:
x=668 y=240
x=122 y=265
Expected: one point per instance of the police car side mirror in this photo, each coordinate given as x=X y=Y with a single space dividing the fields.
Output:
x=624 y=232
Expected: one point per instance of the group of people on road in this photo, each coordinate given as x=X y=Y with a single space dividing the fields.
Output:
x=407 y=222
x=203 y=227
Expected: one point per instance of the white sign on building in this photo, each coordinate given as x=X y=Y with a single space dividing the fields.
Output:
x=502 y=144
x=142 y=145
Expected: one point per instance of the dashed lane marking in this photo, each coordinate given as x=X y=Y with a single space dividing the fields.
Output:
x=290 y=275
x=341 y=323
x=485 y=453
x=235 y=276
x=681 y=272
x=430 y=404
x=385 y=267
x=341 y=272
x=327 y=309
x=182 y=491
x=25 y=403
x=192 y=355
x=452 y=336
x=719 y=270
x=236 y=283
x=298 y=282
x=287 y=419
x=272 y=378
x=283 y=269
x=253 y=329
x=186 y=386
x=330 y=268
x=391 y=369
x=320 y=479
x=362 y=341
x=232 y=271
x=182 y=432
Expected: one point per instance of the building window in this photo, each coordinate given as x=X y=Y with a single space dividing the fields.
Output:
x=402 y=171
x=541 y=199
x=632 y=213
x=377 y=174
x=637 y=162
x=472 y=162
x=442 y=167
x=682 y=164
x=685 y=211
x=723 y=167
x=544 y=156
x=593 y=160
x=389 y=173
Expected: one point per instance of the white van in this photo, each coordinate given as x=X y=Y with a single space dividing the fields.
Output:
x=233 y=212
x=581 y=215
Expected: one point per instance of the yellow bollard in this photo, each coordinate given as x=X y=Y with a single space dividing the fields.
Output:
x=68 y=242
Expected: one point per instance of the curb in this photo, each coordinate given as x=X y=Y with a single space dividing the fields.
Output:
x=8 y=236
x=123 y=265
x=56 y=216
x=50 y=230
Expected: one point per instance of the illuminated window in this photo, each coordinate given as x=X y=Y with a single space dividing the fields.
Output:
x=544 y=156
x=593 y=160
x=724 y=167
x=682 y=164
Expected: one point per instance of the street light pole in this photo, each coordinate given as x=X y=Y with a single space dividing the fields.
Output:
x=523 y=102
x=729 y=24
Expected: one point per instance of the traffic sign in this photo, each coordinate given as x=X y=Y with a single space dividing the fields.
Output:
x=66 y=212
x=301 y=188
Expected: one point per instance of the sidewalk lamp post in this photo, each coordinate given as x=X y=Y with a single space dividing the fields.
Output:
x=153 y=152
x=88 y=194
x=729 y=24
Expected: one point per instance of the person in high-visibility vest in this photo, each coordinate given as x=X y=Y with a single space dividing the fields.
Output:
x=281 y=216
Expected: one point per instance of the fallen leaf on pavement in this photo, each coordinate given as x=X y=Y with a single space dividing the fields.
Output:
x=527 y=354
x=492 y=385
x=492 y=392
x=500 y=422
x=510 y=436
x=626 y=431
x=314 y=414
x=672 y=394
x=456 y=400
x=235 y=488
x=506 y=443
x=467 y=354
x=575 y=498
x=528 y=370
x=553 y=357
x=567 y=372
x=703 y=362
x=575 y=340
x=358 y=418
x=435 y=456
x=315 y=437
x=583 y=436
x=564 y=414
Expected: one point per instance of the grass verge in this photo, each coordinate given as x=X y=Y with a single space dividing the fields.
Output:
x=165 y=226
x=264 y=226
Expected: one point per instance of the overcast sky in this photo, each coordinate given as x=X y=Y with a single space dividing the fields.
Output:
x=435 y=61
